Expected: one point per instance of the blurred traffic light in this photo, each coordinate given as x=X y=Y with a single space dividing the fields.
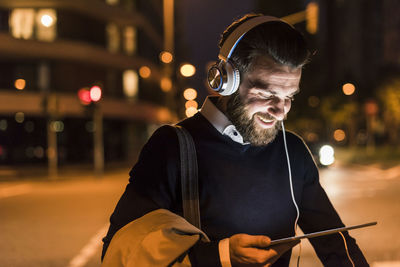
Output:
x=87 y=96
x=312 y=11
x=95 y=93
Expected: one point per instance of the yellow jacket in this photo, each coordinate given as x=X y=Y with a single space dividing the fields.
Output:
x=159 y=238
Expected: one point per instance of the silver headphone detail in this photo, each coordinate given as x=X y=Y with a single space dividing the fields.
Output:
x=223 y=77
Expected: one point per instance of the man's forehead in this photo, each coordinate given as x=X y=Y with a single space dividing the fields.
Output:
x=274 y=75
x=267 y=65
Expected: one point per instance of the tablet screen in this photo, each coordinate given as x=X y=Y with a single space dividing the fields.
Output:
x=321 y=233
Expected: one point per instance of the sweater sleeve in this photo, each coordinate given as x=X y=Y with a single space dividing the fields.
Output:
x=152 y=184
x=317 y=214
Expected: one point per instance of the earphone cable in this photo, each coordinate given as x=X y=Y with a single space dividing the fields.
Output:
x=291 y=188
x=347 y=250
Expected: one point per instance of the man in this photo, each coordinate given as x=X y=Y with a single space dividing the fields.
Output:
x=248 y=195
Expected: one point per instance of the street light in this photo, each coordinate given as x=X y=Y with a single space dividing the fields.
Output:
x=144 y=72
x=166 y=57
x=190 y=94
x=187 y=70
x=312 y=11
x=348 y=88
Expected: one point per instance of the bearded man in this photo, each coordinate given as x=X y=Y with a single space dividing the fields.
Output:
x=247 y=195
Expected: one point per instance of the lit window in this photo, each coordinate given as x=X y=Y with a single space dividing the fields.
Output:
x=46 y=29
x=113 y=37
x=130 y=83
x=43 y=76
x=21 y=22
x=130 y=40
x=112 y=2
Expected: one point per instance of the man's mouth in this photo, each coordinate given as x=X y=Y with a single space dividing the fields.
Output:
x=265 y=121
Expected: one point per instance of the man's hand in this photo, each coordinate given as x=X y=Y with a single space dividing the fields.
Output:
x=254 y=250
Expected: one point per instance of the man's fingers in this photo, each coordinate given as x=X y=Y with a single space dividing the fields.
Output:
x=282 y=248
x=258 y=241
x=258 y=256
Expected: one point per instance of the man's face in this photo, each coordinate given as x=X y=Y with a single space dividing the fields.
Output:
x=264 y=98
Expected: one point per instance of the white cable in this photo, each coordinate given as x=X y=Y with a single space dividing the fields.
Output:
x=291 y=189
x=290 y=179
x=347 y=250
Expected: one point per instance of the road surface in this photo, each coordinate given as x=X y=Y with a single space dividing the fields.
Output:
x=59 y=223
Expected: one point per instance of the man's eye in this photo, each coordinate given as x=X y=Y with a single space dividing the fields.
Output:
x=265 y=96
x=291 y=98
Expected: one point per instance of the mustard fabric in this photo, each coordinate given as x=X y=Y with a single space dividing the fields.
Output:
x=159 y=238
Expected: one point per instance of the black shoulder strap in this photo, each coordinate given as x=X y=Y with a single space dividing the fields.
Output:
x=189 y=177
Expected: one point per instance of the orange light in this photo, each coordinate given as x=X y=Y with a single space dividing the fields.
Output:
x=191 y=103
x=144 y=72
x=190 y=94
x=348 y=88
x=95 y=93
x=166 y=84
x=20 y=84
x=312 y=11
x=187 y=70
x=166 y=57
x=190 y=111
x=339 y=135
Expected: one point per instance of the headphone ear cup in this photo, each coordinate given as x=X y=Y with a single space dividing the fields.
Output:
x=224 y=78
x=232 y=79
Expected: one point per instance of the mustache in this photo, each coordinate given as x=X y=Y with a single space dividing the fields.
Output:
x=265 y=116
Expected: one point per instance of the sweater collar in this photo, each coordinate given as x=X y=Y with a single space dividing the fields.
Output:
x=219 y=120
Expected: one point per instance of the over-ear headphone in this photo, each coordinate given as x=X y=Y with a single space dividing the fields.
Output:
x=223 y=77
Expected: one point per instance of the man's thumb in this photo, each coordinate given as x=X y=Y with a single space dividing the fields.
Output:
x=261 y=241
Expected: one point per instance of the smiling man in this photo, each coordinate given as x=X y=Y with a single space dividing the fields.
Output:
x=256 y=182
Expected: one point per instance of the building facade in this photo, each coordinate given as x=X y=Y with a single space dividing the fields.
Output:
x=51 y=50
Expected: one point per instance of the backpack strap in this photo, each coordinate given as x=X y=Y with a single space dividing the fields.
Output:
x=189 y=177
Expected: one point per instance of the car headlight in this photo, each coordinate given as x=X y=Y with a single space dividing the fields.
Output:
x=326 y=155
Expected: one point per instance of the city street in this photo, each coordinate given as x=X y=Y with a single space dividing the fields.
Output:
x=61 y=222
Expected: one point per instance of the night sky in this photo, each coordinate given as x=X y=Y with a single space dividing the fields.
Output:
x=204 y=21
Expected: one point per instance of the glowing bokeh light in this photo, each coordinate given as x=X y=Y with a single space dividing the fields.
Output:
x=187 y=70
x=20 y=84
x=95 y=93
x=144 y=72
x=84 y=96
x=19 y=117
x=166 y=84
x=166 y=57
x=339 y=135
x=190 y=94
x=191 y=103
x=348 y=88
x=190 y=111
x=326 y=155
x=47 y=20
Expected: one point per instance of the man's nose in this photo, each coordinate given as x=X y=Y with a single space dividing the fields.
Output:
x=277 y=109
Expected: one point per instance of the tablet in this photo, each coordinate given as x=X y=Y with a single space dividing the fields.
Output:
x=321 y=233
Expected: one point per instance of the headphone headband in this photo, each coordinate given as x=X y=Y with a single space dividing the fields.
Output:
x=233 y=39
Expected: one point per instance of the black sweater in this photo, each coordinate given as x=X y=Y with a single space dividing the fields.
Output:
x=242 y=188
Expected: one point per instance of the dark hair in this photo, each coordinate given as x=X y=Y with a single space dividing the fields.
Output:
x=277 y=39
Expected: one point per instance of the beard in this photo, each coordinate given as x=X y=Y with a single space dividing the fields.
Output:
x=248 y=128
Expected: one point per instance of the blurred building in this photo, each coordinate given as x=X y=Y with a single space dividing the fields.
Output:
x=49 y=50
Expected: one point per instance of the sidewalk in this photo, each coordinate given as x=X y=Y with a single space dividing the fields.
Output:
x=72 y=171
x=380 y=157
